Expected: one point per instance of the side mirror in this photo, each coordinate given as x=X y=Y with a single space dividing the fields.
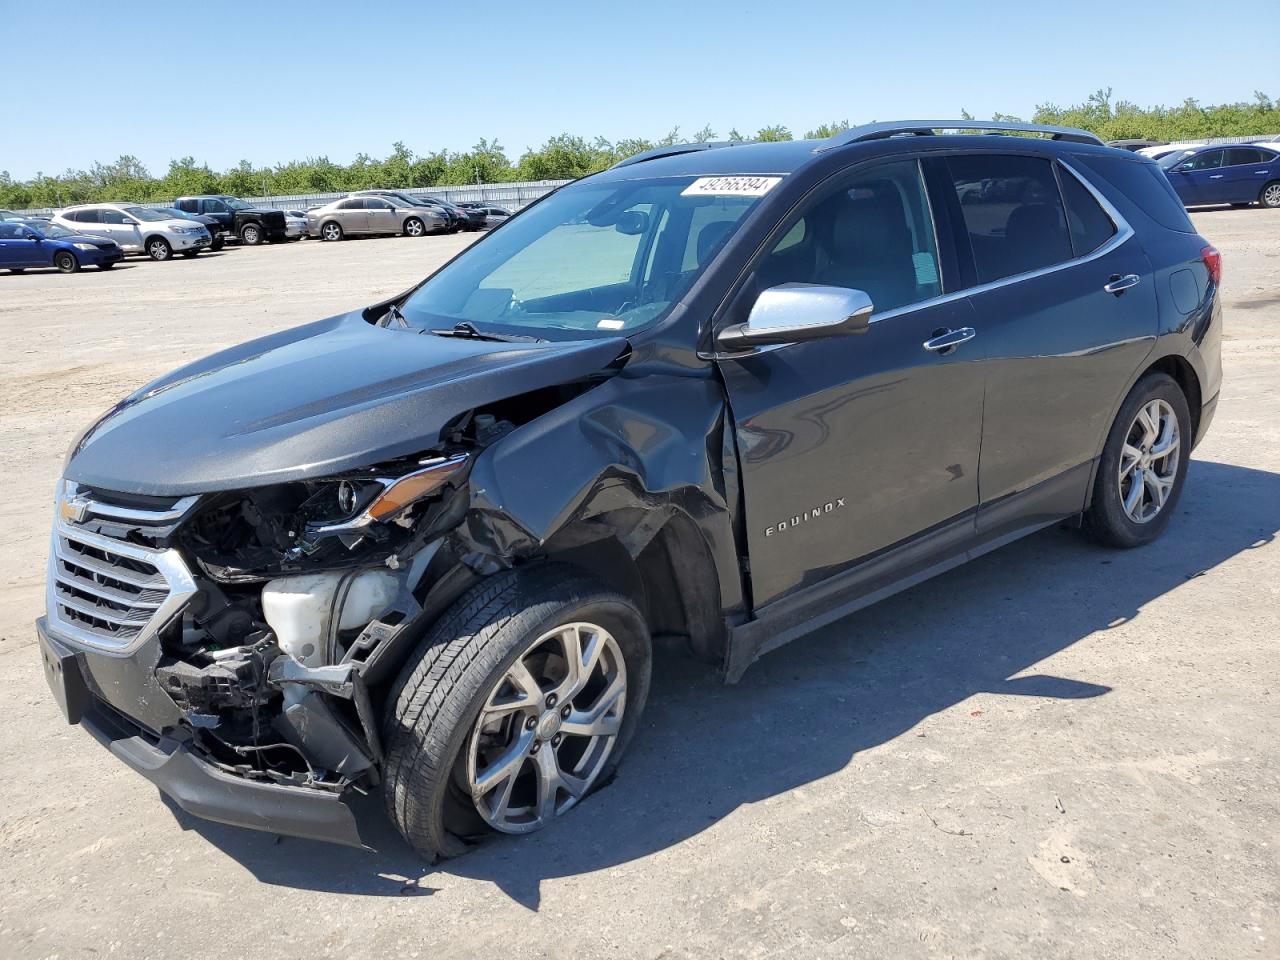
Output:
x=34 y=236
x=800 y=311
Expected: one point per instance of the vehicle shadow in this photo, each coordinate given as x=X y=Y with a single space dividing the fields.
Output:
x=805 y=711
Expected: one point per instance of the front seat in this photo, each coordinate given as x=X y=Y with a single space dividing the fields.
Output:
x=868 y=247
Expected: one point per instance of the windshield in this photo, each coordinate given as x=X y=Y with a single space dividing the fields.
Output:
x=1170 y=160
x=591 y=260
x=146 y=215
x=235 y=204
x=52 y=231
x=174 y=214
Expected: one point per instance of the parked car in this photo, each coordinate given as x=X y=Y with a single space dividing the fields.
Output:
x=136 y=229
x=1238 y=174
x=1163 y=150
x=444 y=218
x=295 y=224
x=217 y=231
x=30 y=244
x=493 y=214
x=720 y=394
x=253 y=225
x=10 y=215
x=366 y=214
x=1135 y=144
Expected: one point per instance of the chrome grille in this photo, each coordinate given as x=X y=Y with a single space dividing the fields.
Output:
x=112 y=595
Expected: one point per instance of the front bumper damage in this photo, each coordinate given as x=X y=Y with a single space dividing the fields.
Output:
x=191 y=781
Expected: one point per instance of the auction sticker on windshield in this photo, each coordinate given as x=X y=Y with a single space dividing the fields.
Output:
x=730 y=186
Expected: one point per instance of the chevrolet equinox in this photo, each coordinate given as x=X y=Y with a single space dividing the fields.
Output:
x=720 y=394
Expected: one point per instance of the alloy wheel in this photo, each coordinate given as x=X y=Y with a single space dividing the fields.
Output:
x=159 y=250
x=414 y=228
x=1149 y=461
x=1271 y=195
x=547 y=727
x=332 y=231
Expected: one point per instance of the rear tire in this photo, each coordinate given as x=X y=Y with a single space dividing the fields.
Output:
x=158 y=249
x=1143 y=465
x=66 y=261
x=331 y=231
x=444 y=709
x=1270 y=195
x=251 y=234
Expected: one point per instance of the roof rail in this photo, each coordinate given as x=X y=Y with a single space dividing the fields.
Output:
x=925 y=128
x=673 y=150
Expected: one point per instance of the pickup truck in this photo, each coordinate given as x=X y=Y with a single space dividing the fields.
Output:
x=239 y=218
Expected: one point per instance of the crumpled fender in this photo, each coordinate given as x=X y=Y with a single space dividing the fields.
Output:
x=634 y=451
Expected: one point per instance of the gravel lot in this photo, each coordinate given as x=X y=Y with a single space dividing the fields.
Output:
x=1057 y=750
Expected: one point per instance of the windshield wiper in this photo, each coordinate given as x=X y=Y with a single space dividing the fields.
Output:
x=393 y=313
x=468 y=330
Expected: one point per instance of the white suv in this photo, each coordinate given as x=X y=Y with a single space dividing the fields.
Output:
x=137 y=229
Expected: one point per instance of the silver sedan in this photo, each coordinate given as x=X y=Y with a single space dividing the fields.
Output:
x=353 y=216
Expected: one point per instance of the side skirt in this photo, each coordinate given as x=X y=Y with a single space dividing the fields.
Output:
x=902 y=567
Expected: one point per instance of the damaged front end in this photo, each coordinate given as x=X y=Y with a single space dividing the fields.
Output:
x=225 y=645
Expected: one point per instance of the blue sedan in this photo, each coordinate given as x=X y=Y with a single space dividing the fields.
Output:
x=27 y=244
x=1238 y=174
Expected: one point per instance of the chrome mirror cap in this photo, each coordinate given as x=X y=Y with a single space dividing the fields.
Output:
x=800 y=311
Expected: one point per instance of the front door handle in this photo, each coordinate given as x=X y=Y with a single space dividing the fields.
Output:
x=1215 y=176
x=1118 y=284
x=948 y=340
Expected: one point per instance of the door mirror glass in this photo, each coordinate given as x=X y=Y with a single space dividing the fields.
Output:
x=800 y=311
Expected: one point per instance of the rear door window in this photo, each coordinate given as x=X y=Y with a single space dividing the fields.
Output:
x=1089 y=225
x=1012 y=212
x=1238 y=156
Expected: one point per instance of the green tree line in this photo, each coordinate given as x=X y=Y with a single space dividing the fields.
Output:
x=562 y=157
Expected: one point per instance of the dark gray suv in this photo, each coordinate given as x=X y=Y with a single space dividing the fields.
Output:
x=718 y=394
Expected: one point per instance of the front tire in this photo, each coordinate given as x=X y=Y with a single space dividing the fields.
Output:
x=251 y=234
x=1143 y=466
x=1270 y=195
x=158 y=249
x=217 y=244
x=66 y=261
x=490 y=726
x=413 y=227
x=331 y=231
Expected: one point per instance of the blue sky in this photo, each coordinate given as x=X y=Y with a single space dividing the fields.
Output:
x=297 y=80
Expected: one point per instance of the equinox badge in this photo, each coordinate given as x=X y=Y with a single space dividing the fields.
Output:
x=813 y=513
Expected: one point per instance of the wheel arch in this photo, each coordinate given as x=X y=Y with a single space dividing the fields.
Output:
x=671 y=577
x=1184 y=375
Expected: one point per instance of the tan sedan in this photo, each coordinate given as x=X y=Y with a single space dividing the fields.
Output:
x=353 y=216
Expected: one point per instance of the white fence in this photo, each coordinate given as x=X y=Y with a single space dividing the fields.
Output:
x=511 y=195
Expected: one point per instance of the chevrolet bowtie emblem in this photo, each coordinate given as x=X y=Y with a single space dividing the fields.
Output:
x=73 y=509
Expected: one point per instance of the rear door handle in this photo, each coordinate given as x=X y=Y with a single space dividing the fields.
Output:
x=949 y=339
x=1215 y=176
x=1119 y=284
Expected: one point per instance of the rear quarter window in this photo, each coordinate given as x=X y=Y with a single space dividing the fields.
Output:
x=1145 y=185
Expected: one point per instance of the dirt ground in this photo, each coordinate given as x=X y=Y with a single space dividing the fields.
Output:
x=1056 y=751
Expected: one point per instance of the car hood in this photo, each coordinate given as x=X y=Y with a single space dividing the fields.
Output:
x=322 y=398
x=85 y=238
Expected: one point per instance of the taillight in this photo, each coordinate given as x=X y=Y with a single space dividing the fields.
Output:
x=1212 y=262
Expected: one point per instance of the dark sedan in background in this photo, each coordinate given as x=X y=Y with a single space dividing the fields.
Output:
x=31 y=244
x=1238 y=174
